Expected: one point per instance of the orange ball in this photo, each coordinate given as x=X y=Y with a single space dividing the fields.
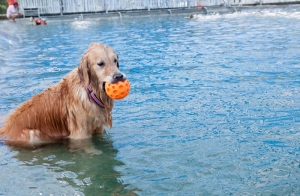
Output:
x=117 y=90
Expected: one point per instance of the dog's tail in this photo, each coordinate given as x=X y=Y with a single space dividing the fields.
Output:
x=1 y=128
x=2 y=135
x=1 y=131
x=2 y=124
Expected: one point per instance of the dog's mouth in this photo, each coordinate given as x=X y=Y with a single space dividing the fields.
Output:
x=103 y=86
x=114 y=79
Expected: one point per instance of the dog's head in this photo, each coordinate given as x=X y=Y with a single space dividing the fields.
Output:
x=100 y=64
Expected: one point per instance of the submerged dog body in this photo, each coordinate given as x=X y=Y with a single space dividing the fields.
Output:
x=66 y=110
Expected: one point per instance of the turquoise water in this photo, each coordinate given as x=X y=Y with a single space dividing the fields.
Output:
x=213 y=108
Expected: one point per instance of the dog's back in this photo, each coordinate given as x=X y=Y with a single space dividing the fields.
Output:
x=41 y=118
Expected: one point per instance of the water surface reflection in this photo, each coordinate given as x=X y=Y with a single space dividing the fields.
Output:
x=59 y=169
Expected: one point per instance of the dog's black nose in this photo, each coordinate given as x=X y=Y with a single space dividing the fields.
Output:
x=118 y=76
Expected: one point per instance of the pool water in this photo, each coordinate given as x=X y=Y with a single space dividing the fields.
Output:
x=214 y=107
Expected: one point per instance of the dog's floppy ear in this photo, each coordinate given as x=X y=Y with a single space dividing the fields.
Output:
x=84 y=70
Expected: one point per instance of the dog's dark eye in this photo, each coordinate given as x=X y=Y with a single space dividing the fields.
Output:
x=100 y=64
x=116 y=61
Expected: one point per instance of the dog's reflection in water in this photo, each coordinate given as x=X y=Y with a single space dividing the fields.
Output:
x=87 y=166
x=74 y=145
x=83 y=145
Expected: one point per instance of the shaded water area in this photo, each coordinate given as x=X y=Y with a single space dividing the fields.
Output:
x=213 y=108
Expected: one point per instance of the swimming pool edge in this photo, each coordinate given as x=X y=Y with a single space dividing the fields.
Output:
x=159 y=12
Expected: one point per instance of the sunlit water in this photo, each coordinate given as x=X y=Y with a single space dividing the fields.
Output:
x=214 y=107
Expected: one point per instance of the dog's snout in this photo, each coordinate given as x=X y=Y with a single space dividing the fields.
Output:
x=118 y=76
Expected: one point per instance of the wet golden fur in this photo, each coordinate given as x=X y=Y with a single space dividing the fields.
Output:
x=65 y=110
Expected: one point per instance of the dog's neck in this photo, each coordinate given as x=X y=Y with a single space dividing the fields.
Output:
x=94 y=98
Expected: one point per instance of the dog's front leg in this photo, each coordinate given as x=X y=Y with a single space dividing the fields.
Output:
x=86 y=145
x=99 y=129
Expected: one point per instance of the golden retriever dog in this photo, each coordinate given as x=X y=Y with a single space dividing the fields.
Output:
x=75 y=108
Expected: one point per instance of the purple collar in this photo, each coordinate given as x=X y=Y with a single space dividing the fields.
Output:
x=94 y=98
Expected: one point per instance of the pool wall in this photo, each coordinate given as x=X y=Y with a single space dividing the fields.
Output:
x=184 y=11
x=181 y=11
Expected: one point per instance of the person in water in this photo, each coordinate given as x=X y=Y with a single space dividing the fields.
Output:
x=13 y=12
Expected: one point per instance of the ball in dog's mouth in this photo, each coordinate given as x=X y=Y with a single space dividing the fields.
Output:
x=118 y=90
